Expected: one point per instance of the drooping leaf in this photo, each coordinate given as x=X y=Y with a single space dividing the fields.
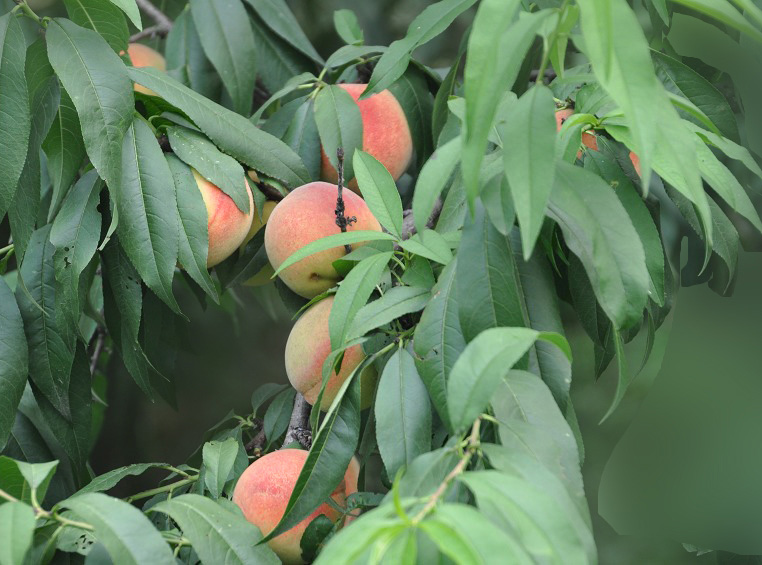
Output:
x=105 y=18
x=297 y=128
x=16 y=531
x=277 y=416
x=396 y=302
x=130 y=8
x=430 y=244
x=13 y=351
x=110 y=479
x=277 y=60
x=279 y=18
x=379 y=191
x=412 y=92
x=218 y=457
x=340 y=125
x=433 y=179
x=186 y=60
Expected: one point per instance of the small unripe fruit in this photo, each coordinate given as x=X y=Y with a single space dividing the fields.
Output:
x=385 y=134
x=588 y=139
x=308 y=346
x=305 y=215
x=143 y=56
x=227 y=225
x=263 y=491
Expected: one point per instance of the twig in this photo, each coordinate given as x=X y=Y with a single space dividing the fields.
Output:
x=299 y=425
x=163 y=23
x=408 y=223
x=342 y=221
x=270 y=192
x=100 y=340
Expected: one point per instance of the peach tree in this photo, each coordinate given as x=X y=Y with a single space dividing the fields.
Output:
x=424 y=226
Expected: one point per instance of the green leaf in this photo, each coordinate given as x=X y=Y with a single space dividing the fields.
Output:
x=218 y=458
x=20 y=478
x=487 y=280
x=723 y=11
x=440 y=111
x=15 y=119
x=130 y=8
x=51 y=348
x=64 y=149
x=129 y=537
x=263 y=393
x=221 y=170
x=297 y=128
x=480 y=368
x=353 y=294
x=412 y=92
x=148 y=220
x=217 y=534
x=226 y=36
x=598 y=230
x=290 y=86
x=102 y=17
x=16 y=531
x=489 y=72
x=396 y=302
x=277 y=416
x=109 y=480
x=681 y=79
x=232 y=133
x=349 y=53
x=276 y=60
x=278 y=17
x=331 y=241
x=429 y=244
x=13 y=352
x=403 y=414
x=426 y=26
x=315 y=534
x=379 y=191
x=186 y=59
x=340 y=125
x=75 y=233
x=347 y=26
x=38 y=475
x=432 y=180
x=194 y=235
x=529 y=137
x=96 y=79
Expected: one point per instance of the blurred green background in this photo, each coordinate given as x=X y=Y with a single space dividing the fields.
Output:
x=227 y=351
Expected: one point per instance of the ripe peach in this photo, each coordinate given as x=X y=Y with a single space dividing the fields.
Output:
x=385 y=134
x=262 y=493
x=143 y=56
x=635 y=162
x=308 y=346
x=350 y=482
x=307 y=214
x=264 y=275
x=227 y=225
x=588 y=139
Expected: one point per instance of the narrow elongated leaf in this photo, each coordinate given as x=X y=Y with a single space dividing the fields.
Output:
x=130 y=8
x=427 y=25
x=339 y=123
x=16 y=532
x=412 y=92
x=14 y=364
x=723 y=11
x=379 y=191
x=228 y=41
x=102 y=17
x=51 y=349
x=128 y=536
x=397 y=301
x=20 y=477
x=353 y=294
x=296 y=127
x=347 y=26
x=429 y=244
x=15 y=119
x=432 y=180
x=221 y=170
x=232 y=133
x=109 y=480
x=217 y=534
x=277 y=416
x=148 y=220
x=186 y=60
x=96 y=79
x=529 y=136
x=194 y=234
x=277 y=60
x=290 y=86
x=403 y=414
x=598 y=230
x=277 y=15
x=218 y=457
x=482 y=365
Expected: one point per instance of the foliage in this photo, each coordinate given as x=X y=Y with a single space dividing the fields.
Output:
x=457 y=304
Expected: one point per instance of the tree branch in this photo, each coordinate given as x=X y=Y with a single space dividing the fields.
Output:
x=100 y=340
x=163 y=23
x=299 y=425
x=408 y=223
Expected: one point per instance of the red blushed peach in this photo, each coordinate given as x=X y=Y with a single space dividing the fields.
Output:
x=308 y=346
x=385 y=134
x=227 y=225
x=264 y=275
x=305 y=215
x=588 y=139
x=263 y=491
x=350 y=481
x=635 y=162
x=143 y=56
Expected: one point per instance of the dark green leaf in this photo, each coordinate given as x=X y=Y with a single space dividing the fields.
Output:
x=102 y=17
x=13 y=352
x=277 y=15
x=109 y=480
x=218 y=457
x=299 y=131
x=403 y=414
x=148 y=220
x=379 y=191
x=16 y=531
x=263 y=393
x=96 y=79
x=314 y=536
x=412 y=92
x=228 y=42
x=347 y=26
x=129 y=537
x=432 y=180
x=232 y=133
x=349 y=53
x=186 y=60
x=277 y=416
x=130 y=8
x=340 y=125
x=396 y=302
x=277 y=61
x=440 y=111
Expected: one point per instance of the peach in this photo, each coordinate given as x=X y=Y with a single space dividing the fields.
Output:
x=227 y=225
x=143 y=56
x=307 y=214
x=265 y=274
x=385 y=134
x=308 y=346
x=588 y=139
x=262 y=493
x=635 y=162
x=350 y=482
